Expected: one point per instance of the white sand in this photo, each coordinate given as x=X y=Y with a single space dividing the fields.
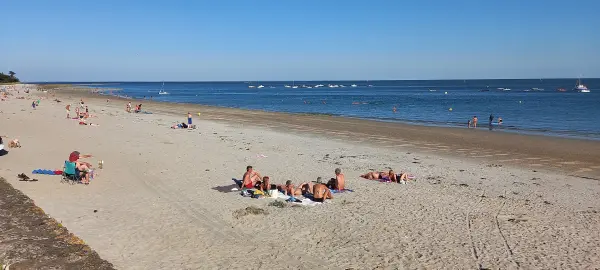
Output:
x=158 y=206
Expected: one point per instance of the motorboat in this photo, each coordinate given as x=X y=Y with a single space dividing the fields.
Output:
x=579 y=87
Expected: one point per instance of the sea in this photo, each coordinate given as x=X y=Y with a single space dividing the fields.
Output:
x=533 y=106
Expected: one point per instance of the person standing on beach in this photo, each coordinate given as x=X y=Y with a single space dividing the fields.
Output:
x=189 y=119
x=68 y=108
x=475 y=121
x=491 y=120
x=128 y=108
x=499 y=121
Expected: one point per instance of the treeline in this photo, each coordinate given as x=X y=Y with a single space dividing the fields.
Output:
x=10 y=78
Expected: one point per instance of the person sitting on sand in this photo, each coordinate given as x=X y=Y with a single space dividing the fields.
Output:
x=81 y=168
x=68 y=108
x=337 y=183
x=320 y=191
x=265 y=185
x=250 y=178
x=289 y=189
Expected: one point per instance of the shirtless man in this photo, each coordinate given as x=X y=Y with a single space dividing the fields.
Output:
x=290 y=190
x=337 y=183
x=321 y=192
x=474 y=121
x=251 y=177
x=265 y=184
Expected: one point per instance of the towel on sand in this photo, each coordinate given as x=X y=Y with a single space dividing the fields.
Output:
x=341 y=191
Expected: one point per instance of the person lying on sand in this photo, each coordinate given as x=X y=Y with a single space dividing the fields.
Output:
x=250 y=178
x=339 y=182
x=320 y=191
x=182 y=125
x=389 y=176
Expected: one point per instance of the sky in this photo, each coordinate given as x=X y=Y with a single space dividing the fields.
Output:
x=254 y=40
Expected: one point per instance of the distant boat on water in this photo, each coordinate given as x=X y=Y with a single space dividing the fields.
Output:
x=162 y=90
x=579 y=87
x=251 y=86
x=353 y=85
x=287 y=86
x=261 y=86
x=561 y=90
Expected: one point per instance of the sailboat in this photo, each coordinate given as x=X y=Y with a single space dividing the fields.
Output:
x=162 y=90
x=580 y=87
x=294 y=85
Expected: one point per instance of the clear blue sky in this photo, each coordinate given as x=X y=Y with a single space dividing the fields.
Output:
x=152 y=40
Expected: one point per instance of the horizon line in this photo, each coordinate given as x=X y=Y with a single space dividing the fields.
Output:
x=345 y=80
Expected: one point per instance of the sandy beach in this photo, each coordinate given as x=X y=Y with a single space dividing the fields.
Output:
x=163 y=199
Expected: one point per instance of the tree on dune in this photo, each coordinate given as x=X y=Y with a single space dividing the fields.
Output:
x=8 y=78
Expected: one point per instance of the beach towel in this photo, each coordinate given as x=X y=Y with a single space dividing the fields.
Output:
x=238 y=182
x=341 y=191
x=47 y=172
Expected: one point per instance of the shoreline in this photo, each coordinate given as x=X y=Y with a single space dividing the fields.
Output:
x=574 y=156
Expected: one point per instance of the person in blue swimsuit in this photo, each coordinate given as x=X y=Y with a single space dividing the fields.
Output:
x=189 y=118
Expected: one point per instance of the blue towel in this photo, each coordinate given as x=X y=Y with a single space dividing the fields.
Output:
x=294 y=199
x=341 y=191
x=238 y=182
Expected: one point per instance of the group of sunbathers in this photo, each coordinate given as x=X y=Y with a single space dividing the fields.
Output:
x=317 y=191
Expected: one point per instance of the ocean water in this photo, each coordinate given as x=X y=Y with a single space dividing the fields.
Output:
x=426 y=102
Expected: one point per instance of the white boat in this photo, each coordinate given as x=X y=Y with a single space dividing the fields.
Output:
x=333 y=86
x=295 y=86
x=353 y=85
x=251 y=86
x=162 y=90
x=341 y=85
x=286 y=86
x=579 y=87
x=261 y=86
x=506 y=89
x=319 y=85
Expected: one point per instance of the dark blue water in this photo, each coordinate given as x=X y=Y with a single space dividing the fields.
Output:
x=522 y=109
